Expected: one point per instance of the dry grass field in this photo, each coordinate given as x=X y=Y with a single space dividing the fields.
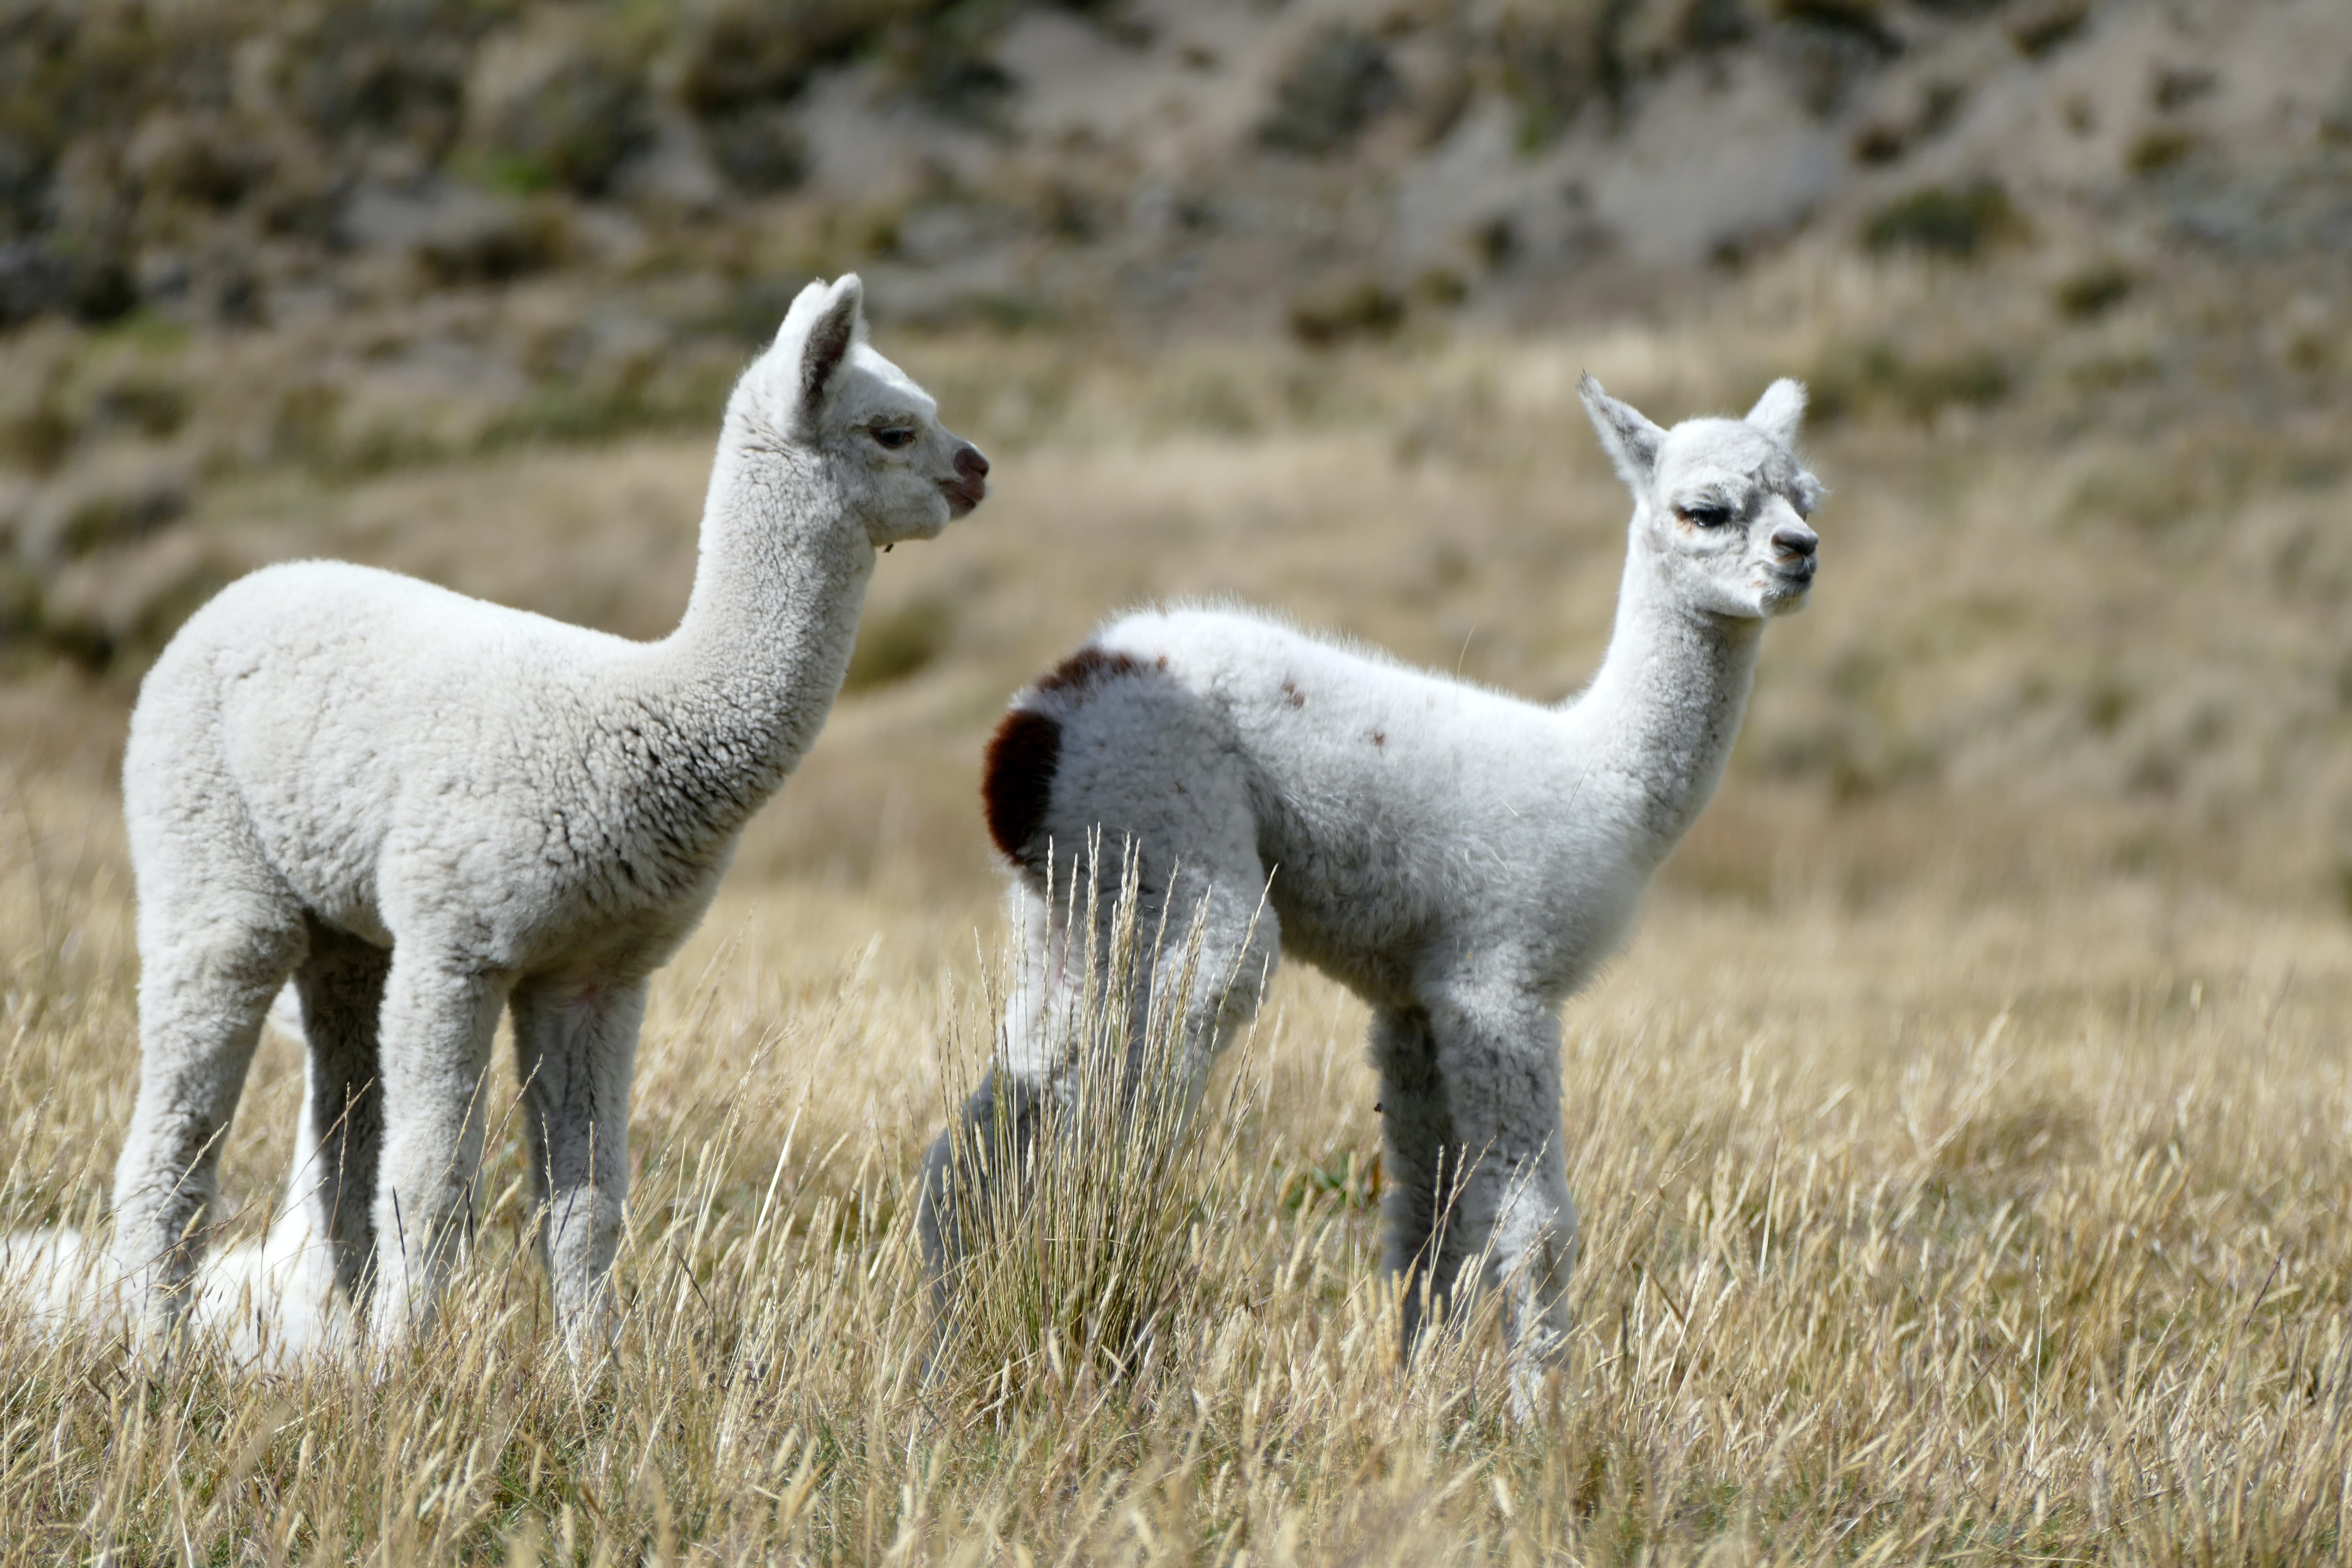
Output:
x=1961 y=1141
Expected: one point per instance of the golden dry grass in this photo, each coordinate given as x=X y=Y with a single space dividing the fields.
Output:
x=1941 y=1236
x=1961 y=1142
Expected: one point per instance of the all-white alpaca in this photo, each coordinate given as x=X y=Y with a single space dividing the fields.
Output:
x=1460 y=858
x=426 y=808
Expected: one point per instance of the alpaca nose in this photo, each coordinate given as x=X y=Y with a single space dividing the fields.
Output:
x=1791 y=540
x=971 y=465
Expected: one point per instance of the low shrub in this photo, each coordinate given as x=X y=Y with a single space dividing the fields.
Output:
x=1958 y=221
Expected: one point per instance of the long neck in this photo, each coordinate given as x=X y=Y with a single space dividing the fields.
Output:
x=744 y=684
x=1660 y=718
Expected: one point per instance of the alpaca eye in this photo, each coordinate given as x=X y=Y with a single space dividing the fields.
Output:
x=1704 y=516
x=894 y=436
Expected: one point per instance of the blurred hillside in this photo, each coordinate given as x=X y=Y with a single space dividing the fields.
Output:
x=229 y=162
x=1283 y=299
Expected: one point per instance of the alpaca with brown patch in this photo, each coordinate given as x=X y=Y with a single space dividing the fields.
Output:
x=1460 y=858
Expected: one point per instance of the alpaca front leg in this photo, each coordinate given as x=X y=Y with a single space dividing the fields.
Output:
x=438 y=1016
x=576 y=1048
x=1415 y=1135
x=1512 y=1226
x=1534 y=1248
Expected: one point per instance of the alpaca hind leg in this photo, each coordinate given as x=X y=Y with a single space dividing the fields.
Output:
x=1140 y=779
x=985 y=1149
x=438 y=1016
x=1512 y=1227
x=1183 y=928
x=1196 y=953
x=1416 y=1134
x=576 y=1049
x=340 y=986
x=981 y=1159
x=207 y=977
x=1219 y=946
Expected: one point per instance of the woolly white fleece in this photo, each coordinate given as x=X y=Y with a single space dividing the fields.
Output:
x=426 y=808
x=1460 y=858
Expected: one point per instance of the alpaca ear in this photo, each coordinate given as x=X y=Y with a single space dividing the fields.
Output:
x=1779 y=411
x=1629 y=438
x=827 y=318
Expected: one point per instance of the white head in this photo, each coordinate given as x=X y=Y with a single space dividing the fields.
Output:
x=1722 y=503
x=820 y=393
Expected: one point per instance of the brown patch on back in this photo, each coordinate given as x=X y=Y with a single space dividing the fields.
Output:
x=1017 y=780
x=1084 y=670
x=1025 y=752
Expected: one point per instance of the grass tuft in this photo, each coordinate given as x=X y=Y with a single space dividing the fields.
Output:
x=1087 y=1227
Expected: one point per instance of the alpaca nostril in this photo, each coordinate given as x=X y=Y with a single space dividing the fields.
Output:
x=1797 y=542
x=971 y=465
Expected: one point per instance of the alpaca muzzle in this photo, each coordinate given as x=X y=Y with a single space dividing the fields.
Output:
x=1794 y=560
x=969 y=486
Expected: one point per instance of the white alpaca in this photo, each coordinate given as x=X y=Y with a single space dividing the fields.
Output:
x=1460 y=858
x=426 y=808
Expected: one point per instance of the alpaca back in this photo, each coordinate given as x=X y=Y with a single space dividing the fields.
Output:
x=393 y=747
x=1393 y=809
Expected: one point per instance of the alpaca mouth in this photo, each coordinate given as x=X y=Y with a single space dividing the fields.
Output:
x=1787 y=585
x=963 y=495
